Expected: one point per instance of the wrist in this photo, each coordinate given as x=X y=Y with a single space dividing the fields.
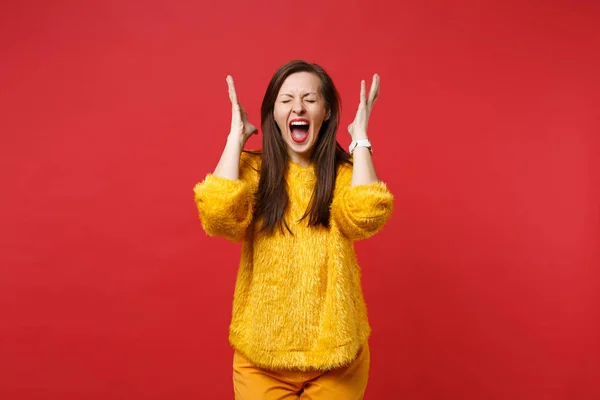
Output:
x=235 y=142
x=359 y=136
x=356 y=143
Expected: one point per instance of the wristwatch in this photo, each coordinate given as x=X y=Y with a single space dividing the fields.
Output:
x=360 y=143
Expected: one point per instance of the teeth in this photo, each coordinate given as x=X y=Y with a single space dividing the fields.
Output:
x=299 y=123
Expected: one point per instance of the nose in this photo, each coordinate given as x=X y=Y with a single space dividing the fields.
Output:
x=298 y=107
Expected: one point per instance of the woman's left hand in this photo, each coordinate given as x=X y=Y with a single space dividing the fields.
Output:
x=358 y=127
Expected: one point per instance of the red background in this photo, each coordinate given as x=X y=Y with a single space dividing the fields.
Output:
x=484 y=285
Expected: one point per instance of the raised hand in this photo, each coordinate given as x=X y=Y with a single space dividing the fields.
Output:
x=358 y=127
x=241 y=128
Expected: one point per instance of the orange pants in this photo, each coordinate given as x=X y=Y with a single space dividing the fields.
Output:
x=253 y=383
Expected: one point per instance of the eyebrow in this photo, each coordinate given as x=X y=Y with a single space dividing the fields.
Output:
x=304 y=95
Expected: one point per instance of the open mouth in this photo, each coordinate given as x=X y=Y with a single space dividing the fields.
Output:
x=299 y=129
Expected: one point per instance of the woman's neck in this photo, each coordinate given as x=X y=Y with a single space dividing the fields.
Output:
x=302 y=160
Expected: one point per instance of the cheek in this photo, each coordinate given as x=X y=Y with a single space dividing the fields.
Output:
x=319 y=113
x=280 y=117
x=277 y=118
x=319 y=117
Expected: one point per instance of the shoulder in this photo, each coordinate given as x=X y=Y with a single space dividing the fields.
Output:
x=250 y=163
x=344 y=174
x=251 y=158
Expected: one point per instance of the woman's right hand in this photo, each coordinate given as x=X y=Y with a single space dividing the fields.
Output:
x=241 y=128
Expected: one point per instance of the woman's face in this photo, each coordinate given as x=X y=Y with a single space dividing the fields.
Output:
x=299 y=112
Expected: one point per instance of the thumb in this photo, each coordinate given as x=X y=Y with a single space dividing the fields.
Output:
x=251 y=129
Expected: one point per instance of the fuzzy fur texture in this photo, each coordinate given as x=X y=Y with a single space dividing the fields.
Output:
x=298 y=302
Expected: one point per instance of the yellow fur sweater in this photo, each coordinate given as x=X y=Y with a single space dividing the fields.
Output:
x=298 y=302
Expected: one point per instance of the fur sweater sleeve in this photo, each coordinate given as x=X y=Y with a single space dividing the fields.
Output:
x=360 y=211
x=225 y=206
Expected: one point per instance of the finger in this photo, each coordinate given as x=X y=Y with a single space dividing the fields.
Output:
x=232 y=93
x=363 y=93
x=374 y=92
x=248 y=127
x=243 y=114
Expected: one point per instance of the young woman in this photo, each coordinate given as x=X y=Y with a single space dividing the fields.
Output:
x=299 y=325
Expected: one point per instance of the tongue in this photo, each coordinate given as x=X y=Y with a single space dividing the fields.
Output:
x=299 y=134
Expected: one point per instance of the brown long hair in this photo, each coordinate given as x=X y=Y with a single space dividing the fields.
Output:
x=272 y=197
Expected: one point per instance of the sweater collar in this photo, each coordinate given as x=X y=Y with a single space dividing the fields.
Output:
x=301 y=173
